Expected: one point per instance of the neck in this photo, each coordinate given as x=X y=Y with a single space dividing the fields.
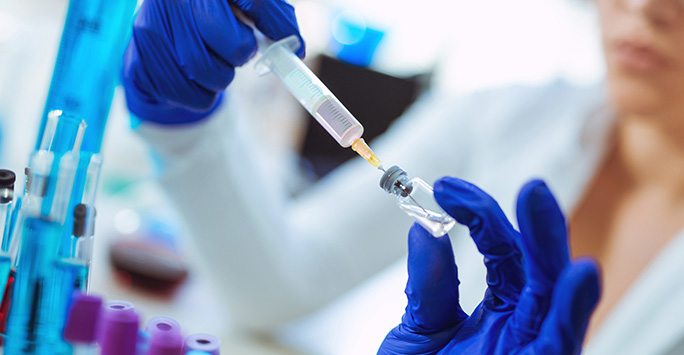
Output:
x=651 y=150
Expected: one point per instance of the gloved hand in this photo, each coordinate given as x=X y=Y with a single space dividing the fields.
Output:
x=537 y=300
x=183 y=53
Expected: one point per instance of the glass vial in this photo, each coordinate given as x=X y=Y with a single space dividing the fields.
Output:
x=415 y=197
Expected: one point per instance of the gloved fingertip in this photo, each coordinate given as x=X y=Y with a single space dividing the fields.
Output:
x=585 y=272
x=449 y=184
x=534 y=196
x=467 y=203
x=419 y=237
x=543 y=228
x=575 y=297
x=426 y=251
x=432 y=287
x=535 y=184
x=451 y=194
x=417 y=230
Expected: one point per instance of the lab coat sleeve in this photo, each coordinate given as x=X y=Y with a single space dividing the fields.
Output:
x=274 y=257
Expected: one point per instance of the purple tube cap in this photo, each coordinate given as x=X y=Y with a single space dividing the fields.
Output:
x=166 y=343
x=202 y=342
x=162 y=324
x=83 y=318
x=118 y=328
x=166 y=338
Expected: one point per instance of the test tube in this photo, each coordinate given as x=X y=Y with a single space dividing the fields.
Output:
x=7 y=179
x=83 y=230
x=38 y=171
x=64 y=185
x=316 y=98
x=7 y=274
x=63 y=132
x=73 y=270
x=91 y=179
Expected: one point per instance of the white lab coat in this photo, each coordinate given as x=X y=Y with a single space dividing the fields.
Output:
x=276 y=258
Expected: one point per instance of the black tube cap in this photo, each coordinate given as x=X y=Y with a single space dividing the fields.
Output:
x=7 y=179
x=80 y=213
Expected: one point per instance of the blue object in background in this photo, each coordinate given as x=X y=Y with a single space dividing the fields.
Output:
x=353 y=41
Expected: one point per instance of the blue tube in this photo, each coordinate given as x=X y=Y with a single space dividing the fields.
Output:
x=5 y=267
x=88 y=64
x=28 y=329
x=82 y=87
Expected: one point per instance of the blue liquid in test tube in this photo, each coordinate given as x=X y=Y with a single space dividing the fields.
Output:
x=88 y=62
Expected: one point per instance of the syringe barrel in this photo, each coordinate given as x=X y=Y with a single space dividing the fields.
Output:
x=310 y=91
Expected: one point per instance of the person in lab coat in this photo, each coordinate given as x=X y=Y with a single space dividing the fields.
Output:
x=613 y=157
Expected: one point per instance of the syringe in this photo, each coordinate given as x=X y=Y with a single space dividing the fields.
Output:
x=280 y=58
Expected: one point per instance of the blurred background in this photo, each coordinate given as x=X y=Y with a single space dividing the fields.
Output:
x=367 y=51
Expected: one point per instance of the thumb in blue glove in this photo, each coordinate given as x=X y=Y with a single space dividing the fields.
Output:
x=183 y=53
x=537 y=300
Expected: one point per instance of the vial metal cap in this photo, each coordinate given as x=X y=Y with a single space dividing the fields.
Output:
x=390 y=176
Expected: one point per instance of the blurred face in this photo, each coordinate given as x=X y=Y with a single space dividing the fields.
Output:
x=644 y=46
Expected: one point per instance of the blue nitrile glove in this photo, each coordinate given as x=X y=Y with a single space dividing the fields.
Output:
x=183 y=53
x=537 y=300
